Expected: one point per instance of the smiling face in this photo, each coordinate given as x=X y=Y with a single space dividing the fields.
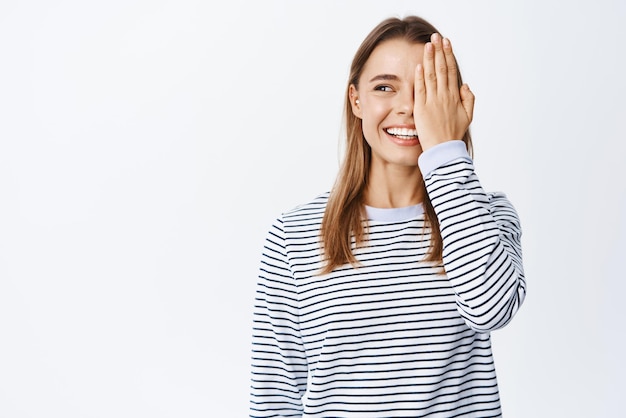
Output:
x=385 y=97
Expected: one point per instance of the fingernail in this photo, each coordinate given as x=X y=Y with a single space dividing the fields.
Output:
x=429 y=47
x=435 y=37
x=446 y=42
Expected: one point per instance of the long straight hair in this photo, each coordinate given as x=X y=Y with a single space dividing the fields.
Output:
x=344 y=223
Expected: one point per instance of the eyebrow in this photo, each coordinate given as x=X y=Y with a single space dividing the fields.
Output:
x=385 y=77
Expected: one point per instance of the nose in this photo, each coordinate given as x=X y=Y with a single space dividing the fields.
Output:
x=404 y=102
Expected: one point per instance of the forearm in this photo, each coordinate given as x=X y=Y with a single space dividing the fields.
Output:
x=481 y=239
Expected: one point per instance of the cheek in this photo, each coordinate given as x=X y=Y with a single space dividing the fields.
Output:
x=374 y=113
x=372 y=118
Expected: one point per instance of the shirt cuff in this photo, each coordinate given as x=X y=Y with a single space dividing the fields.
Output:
x=441 y=154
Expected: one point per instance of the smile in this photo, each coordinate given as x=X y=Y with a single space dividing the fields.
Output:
x=402 y=133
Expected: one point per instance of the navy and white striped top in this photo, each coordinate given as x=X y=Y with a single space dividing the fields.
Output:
x=394 y=337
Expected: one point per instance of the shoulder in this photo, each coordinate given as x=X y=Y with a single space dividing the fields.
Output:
x=305 y=216
x=309 y=211
x=300 y=225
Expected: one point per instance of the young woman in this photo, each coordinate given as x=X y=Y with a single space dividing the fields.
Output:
x=377 y=299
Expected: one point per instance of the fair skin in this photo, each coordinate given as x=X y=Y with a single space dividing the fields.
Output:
x=409 y=101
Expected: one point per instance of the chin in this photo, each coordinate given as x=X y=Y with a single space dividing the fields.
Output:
x=409 y=159
x=405 y=162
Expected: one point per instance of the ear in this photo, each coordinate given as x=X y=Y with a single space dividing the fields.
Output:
x=354 y=99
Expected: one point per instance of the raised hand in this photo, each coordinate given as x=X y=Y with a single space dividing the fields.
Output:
x=442 y=111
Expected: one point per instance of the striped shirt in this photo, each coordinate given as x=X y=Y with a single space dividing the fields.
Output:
x=397 y=336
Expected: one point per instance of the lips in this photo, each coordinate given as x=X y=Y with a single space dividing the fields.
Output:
x=405 y=134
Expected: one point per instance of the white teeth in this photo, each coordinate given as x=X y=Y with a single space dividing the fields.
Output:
x=402 y=132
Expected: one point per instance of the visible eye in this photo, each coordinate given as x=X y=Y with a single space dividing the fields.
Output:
x=383 y=87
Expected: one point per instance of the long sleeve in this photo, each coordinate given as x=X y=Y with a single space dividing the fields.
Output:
x=481 y=234
x=279 y=366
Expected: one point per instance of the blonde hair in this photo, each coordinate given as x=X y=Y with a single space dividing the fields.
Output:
x=344 y=218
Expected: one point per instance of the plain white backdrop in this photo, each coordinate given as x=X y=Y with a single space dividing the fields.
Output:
x=146 y=146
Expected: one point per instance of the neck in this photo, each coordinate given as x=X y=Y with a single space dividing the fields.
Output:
x=394 y=186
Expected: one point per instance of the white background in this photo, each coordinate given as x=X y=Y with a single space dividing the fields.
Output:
x=146 y=146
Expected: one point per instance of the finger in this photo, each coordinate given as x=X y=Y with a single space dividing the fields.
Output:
x=453 y=80
x=430 y=78
x=441 y=67
x=467 y=100
x=420 y=86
